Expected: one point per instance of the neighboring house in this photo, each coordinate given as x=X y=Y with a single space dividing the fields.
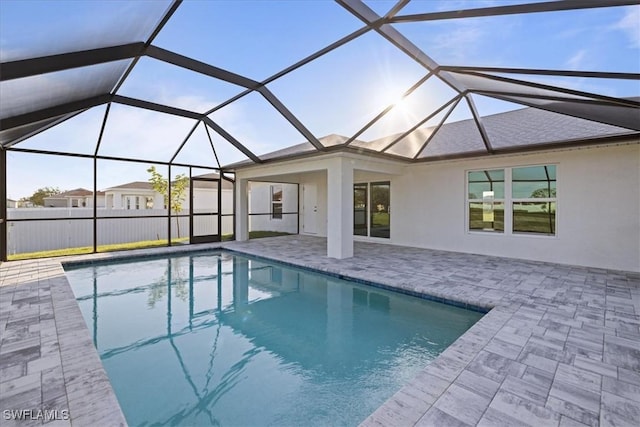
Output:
x=78 y=198
x=139 y=195
x=554 y=188
x=205 y=194
x=12 y=204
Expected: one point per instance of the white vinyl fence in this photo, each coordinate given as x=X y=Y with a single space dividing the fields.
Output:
x=42 y=235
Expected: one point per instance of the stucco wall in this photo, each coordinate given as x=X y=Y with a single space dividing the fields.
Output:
x=598 y=204
x=260 y=203
x=598 y=211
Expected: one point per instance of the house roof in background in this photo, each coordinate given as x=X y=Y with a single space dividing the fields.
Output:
x=144 y=185
x=226 y=185
x=138 y=185
x=78 y=192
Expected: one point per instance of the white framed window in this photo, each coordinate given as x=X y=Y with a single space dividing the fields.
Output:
x=534 y=199
x=485 y=200
x=137 y=202
x=516 y=200
x=276 y=202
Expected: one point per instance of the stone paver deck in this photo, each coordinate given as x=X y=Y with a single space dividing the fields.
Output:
x=560 y=346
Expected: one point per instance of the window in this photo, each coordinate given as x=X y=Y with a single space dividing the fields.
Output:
x=486 y=200
x=529 y=191
x=534 y=199
x=372 y=209
x=128 y=199
x=137 y=202
x=149 y=203
x=276 y=202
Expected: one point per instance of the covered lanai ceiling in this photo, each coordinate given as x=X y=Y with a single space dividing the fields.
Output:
x=216 y=83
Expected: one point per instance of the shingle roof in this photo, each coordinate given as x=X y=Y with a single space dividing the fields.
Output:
x=144 y=185
x=226 y=185
x=519 y=128
x=138 y=185
x=298 y=149
x=526 y=127
x=78 y=192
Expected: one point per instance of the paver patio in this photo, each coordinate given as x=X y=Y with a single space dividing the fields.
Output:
x=561 y=345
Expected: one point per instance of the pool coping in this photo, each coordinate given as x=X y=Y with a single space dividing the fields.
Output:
x=425 y=400
x=61 y=379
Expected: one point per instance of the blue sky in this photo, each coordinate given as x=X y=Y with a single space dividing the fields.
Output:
x=339 y=93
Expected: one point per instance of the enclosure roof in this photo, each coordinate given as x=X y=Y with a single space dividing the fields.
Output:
x=210 y=84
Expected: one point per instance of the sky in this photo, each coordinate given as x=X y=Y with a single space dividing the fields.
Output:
x=337 y=94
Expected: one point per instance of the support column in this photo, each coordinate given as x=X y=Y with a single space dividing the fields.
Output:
x=242 y=210
x=3 y=205
x=240 y=282
x=340 y=208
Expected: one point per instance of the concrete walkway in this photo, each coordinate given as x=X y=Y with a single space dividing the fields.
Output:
x=561 y=345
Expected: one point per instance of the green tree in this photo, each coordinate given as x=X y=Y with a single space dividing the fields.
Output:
x=380 y=198
x=543 y=193
x=37 y=198
x=178 y=188
x=176 y=272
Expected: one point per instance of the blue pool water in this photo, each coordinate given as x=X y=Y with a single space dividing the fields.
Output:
x=224 y=339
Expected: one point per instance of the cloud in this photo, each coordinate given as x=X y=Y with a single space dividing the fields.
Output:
x=469 y=41
x=460 y=41
x=193 y=103
x=630 y=25
x=577 y=60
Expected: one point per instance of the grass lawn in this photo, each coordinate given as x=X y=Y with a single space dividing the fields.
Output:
x=128 y=246
x=379 y=219
x=89 y=249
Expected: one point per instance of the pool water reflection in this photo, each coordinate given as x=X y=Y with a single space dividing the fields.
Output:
x=224 y=339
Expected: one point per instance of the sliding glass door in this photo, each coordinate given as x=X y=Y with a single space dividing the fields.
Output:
x=380 y=210
x=360 y=209
x=372 y=209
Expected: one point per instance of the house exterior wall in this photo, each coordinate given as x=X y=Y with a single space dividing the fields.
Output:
x=598 y=204
x=598 y=209
x=260 y=202
x=206 y=200
x=117 y=198
x=51 y=202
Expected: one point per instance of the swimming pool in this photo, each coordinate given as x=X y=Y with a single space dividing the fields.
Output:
x=220 y=338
